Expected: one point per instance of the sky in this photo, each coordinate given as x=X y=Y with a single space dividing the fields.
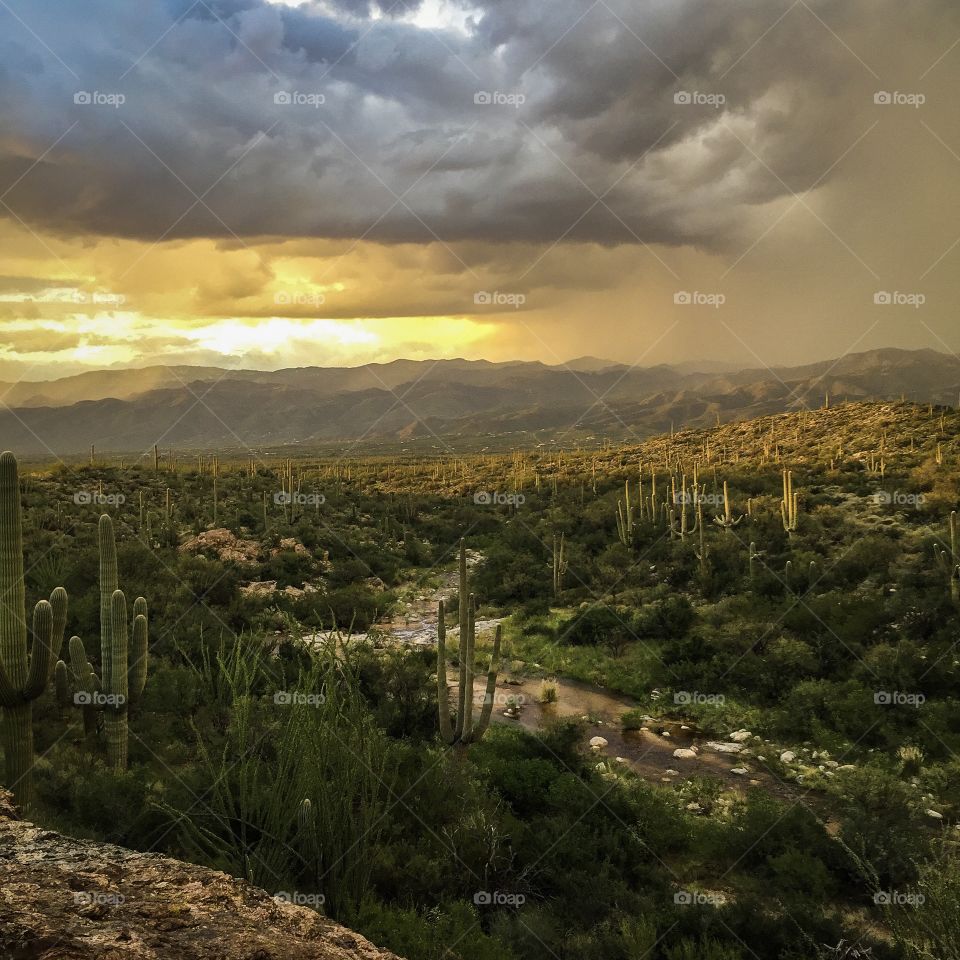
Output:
x=262 y=184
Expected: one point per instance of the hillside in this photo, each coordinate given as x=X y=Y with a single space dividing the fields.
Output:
x=190 y=407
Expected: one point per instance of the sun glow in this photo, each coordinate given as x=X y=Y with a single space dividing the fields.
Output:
x=278 y=334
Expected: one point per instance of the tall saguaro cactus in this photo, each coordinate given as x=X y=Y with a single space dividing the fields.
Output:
x=463 y=731
x=121 y=681
x=790 y=504
x=24 y=673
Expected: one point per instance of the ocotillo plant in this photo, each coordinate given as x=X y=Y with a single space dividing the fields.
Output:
x=24 y=673
x=463 y=730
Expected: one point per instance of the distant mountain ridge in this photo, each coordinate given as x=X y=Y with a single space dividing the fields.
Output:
x=190 y=407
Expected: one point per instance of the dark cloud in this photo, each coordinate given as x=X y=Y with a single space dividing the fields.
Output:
x=400 y=151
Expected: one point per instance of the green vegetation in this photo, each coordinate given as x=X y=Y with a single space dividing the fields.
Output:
x=286 y=734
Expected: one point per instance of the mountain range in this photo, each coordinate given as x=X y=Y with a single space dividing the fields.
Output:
x=436 y=402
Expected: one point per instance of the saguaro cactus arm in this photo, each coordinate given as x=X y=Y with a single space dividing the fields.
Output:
x=58 y=601
x=42 y=652
x=139 y=651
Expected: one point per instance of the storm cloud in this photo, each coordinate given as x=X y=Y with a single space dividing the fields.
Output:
x=617 y=122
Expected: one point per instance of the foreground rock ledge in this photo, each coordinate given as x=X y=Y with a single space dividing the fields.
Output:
x=65 y=899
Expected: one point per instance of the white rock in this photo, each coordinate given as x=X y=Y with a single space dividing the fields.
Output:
x=740 y=736
x=597 y=743
x=739 y=771
x=694 y=807
x=724 y=747
x=682 y=753
x=788 y=756
x=833 y=765
x=673 y=773
x=683 y=726
x=934 y=814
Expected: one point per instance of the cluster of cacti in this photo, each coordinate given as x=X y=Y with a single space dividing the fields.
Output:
x=24 y=673
x=625 y=517
x=462 y=730
x=123 y=670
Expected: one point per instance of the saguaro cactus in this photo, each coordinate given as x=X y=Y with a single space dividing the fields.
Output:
x=121 y=681
x=80 y=686
x=24 y=673
x=949 y=559
x=727 y=521
x=789 y=505
x=463 y=731
x=559 y=564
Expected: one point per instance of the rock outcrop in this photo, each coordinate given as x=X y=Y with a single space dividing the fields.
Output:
x=66 y=899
